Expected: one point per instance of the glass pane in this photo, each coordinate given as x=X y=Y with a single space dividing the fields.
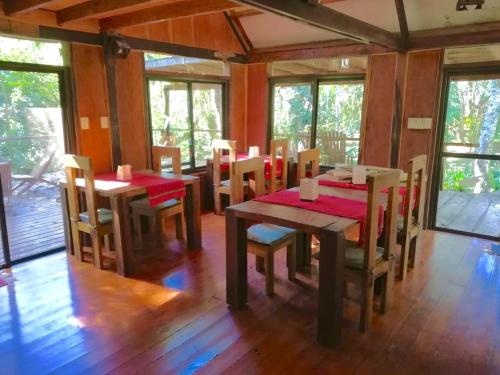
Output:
x=469 y=198
x=169 y=111
x=340 y=107
x=207 y=119
x=181 y=64
x=473 y=117
x=31 y=150
x=344 y=65
x=292 y=114
x=31 y=51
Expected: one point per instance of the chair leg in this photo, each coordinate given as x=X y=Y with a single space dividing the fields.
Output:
x=97 y=250
x=107 y=243
x=270 y=273
x=179 y=224
x=77 y=243
x=307 y=255
x=291 y=258
x=136 y=219
x=414 y=251
x=403 y=261
x=217 y=205
x=259 y=263
x=387 y=289
x=366 y=305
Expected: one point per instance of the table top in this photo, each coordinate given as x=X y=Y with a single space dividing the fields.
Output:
x=110 y=188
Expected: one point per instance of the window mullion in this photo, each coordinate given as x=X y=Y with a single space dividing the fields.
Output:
x=314 y=120
x=191 y=124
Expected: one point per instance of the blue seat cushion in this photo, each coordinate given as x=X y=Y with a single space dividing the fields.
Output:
x=267 y=234
x=354 y=256
x=104 y=216
x=144 y=203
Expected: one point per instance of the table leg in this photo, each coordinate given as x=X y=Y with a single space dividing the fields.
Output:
x=303 y=250
x=236 y=260
x=68 y=242
x=122 y=233
x=192 y=211
x=331 y=287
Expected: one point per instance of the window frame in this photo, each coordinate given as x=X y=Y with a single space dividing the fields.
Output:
x=315 y=81
x=189 y=81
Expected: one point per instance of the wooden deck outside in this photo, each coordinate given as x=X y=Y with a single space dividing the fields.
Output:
x=34 y=222
x=467 y=212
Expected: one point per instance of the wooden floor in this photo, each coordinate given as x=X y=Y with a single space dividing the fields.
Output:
x=34 y=222
x=60 y=316
x=468 y=212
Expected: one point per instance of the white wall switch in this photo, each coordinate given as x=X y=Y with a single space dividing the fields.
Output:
x=419 y=123
x=104 y=122
x=84 y=123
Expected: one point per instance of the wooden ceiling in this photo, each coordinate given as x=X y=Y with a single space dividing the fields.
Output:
x=334 y=21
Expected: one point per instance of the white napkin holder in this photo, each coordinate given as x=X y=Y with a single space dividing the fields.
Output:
x=359 y=174
x=124 y=172
x=253 y=151
x=308 y=189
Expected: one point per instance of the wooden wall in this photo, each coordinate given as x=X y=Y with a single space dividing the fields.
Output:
x=257 y=105
x=91 y=99
x=238 y=105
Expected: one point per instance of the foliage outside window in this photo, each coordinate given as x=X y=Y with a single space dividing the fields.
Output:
x=188 y=114
x=472 y=127
x=330 y=122
x=31 y=51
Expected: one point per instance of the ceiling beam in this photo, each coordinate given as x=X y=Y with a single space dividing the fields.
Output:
x=239 y=32
x=403 y=23
x=328 y=19
x=164 y=12
x=467 y=35
x=16 y=7
x=94 y=8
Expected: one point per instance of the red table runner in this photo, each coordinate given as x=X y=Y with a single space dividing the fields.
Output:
x=327 y=204
x=159 y=189
x=224 y=166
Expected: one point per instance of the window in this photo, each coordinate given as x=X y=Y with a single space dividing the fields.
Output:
x=187 y=113
x=31 y=51
x=185 y=65
x=321 y=113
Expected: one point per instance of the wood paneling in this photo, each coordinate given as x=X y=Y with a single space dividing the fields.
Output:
x=422 y=82
x=90 y=83
x=210 y=31
x=237 y=105
x=380 y=84
x=257 y=105
x=130 y=89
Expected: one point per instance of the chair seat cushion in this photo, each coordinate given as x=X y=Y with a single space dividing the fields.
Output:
x=354 y=256
x=144 y=203
x=268 y=234
x=104 y=216
x=228 y=183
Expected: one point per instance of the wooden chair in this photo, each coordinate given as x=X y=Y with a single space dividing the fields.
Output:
x=305 y=158
x=222 y=186
x=279 y=147
x=96 y=222
x=173 y=208
x=263 y=239
x=409 y=231
x=26 y=182
x=335 y=148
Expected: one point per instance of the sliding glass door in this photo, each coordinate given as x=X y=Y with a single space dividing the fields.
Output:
x=321 y=113
x=468 y=187
x=189 y=114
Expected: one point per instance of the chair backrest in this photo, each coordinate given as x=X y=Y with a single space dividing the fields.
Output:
x=377 y=185
x=219 y=148
x=279 y=147
x=335 y=147
x=415 y=193
x=39 y=170
x=72 y=166
x=173 y=153
x=304 y=158
x=238 y=171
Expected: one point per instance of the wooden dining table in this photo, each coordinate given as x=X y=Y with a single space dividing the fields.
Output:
x=328 y=228
x=119 y=194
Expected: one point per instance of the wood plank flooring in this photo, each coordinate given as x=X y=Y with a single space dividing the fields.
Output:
x=64 y=317
x=467 y=212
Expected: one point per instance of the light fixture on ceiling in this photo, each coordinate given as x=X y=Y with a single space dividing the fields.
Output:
x=469 y=4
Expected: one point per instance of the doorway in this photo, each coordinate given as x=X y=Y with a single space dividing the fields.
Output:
x=34 y=111
x=466 y=188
